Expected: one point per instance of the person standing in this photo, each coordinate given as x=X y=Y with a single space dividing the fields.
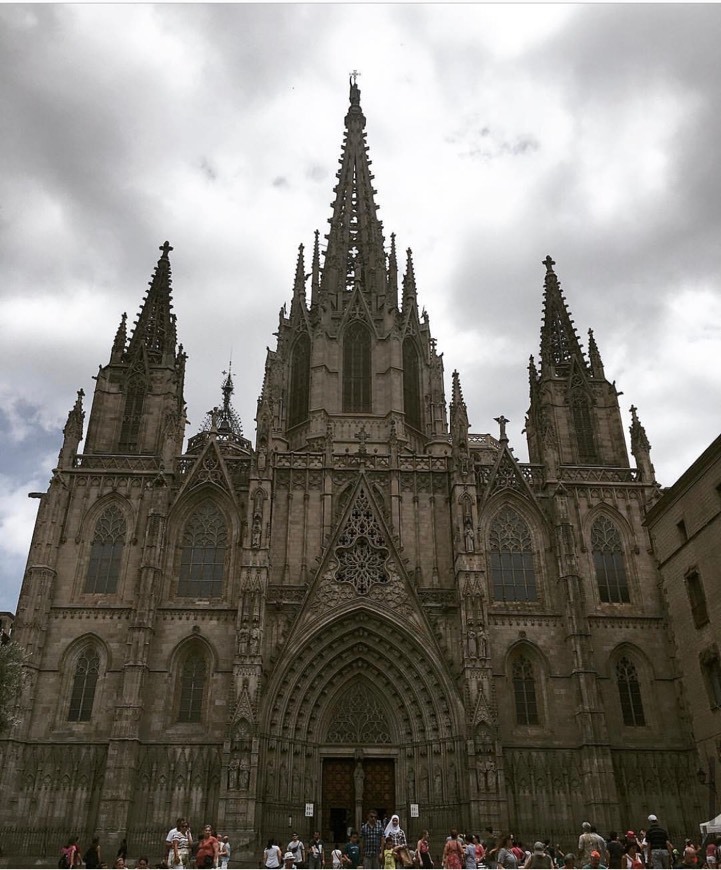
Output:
x=315 y=852
x=92 y=854
x=372 y=839
x=614 y=850
x=208 y=849
x=224 y=852
x=658 y=845
x=453 y=852
x=423 y=852
x=298 y=849
x=352 y=851
x=272 y=856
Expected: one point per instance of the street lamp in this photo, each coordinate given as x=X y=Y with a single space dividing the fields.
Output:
x=709 y=780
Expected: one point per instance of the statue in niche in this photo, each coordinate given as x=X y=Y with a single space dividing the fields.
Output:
x=296 y=784
x=491 y=775
x=243 y=637
x=233 y=774
x=244 y=775
x=437 y=784
x=254 y=640
x=452 y=780
x=255 y=533
x=270 y=777
x=411 y=783
x=472 y=644
x=424 y=782
x=358 y=780
x=283 y=780
x=468 y=535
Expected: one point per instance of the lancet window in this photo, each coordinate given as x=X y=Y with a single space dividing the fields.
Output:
x=357 y=369
x=204 y=543
x=193 y=677
x=85 y=680
x=106 y=551
x=299 y=392
x=609 y=562
x=411 y=385
x=583 y=423
x=135 y=389
x=513 y=576
x=629 y=692
x=524 y=691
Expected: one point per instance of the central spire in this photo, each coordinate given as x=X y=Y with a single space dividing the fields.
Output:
x=355 y=255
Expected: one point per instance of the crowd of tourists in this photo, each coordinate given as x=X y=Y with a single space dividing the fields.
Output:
x=383 y=844
x=180 y=850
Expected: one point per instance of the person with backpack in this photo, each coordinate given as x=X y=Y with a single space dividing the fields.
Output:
x=92 y=853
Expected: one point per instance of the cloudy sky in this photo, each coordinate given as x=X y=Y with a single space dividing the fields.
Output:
x=498 y=134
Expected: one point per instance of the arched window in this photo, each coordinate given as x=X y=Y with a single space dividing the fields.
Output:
x=524 y=691
x=203 y=553
x=629 y=692
x=608 y=561
x=411 y=385
x=513 y=577
x=135 y=389
x=357 y=369
x=299 y=390
x=193 y=676
x=106 y=551
x=85 y=680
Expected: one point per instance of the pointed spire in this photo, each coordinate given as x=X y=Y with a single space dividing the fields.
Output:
x=393 y=275
x=409 y=281
x=559 y=341
x=315 y=272
x=155 y=326
x=299 y=300
x=72 y=433
x=641 y=448
x=121 y=339
x=456 y=391
x=458 y=418
x=355 y=252
x=594 y=357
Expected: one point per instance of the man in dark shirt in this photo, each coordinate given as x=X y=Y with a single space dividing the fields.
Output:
x=372 y=835
x=614 y=850
x=658 y=847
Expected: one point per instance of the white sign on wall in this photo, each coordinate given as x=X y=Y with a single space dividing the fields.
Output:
x=414 y=811
x=309 y=811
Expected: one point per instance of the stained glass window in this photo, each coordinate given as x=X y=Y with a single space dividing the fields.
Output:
x=629 y=692
x=202 y=561
x=299 y=392
x=106 y=551
x=609 y=562
x=85 y=680
x=524 y=691
x=513 y=577
x=411 y=385
x=357 y=369
x=192 y=687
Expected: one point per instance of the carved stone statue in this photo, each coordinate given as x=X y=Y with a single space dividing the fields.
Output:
x=468 y=535
x=472 y=644
x=358 y=780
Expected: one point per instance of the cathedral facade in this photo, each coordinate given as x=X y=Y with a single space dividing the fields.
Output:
x=369 y=607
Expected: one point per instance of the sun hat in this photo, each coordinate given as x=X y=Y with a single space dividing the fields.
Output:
x=289 y=856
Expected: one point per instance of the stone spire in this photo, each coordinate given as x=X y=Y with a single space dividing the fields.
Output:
x=155 y=326
x=315 y=273
x=355 y=252
x=121 y=339
x=594 y=357
x=409 y=282
x=559 y=341
x=458 y=418
x=72 y=433
x=298 y=303
x=641 y=448
x=393 y=275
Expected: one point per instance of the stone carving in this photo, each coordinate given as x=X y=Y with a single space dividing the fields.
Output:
x=359 y=718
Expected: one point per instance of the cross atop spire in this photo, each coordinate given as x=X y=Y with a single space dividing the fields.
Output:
x=549 y=263
x=166 y=247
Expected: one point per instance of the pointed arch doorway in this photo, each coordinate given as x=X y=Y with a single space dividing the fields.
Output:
x=359 y=761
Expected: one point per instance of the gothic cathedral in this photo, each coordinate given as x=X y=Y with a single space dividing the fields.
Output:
x=370 y=607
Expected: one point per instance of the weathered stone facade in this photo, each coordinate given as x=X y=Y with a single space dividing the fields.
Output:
x=685 y=528
x=371 y=607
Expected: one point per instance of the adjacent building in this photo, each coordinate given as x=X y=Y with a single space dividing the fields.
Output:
x=369 y=606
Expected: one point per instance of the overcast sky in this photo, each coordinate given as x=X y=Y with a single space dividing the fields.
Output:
x=498 y=134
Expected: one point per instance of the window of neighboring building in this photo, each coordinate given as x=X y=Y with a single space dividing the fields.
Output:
x=299 y=392
x=711 y=668
x=609 y=562
x=85 y=679
x=411 y=384
x=696 y=598
x=193 y=677
x=524 y=691
x=513 y=577
x=106 y=551
x=357 y=369
x=629 y=692
x=202 y=561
